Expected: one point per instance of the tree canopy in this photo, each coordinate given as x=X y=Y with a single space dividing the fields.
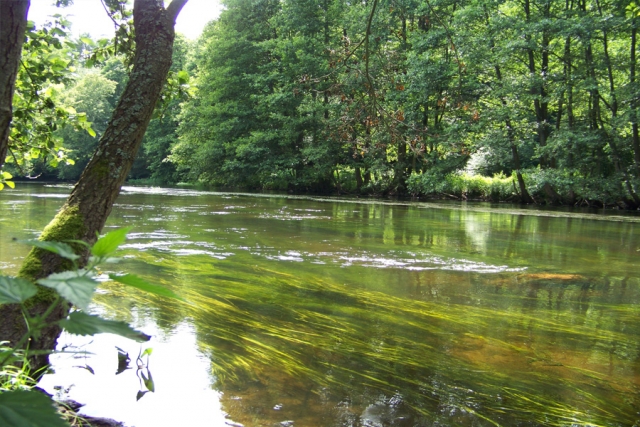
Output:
x=406 y=96
x=531 y=100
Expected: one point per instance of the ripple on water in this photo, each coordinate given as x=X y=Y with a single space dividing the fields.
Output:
x=135 y=207
x=155 y=235
x=176 y=247
x=406 y=261
x=185 y=252
x=215 y=213
x=156 y=244
x=289 y=217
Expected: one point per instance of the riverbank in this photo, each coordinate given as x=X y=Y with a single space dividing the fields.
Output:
x=452 y=187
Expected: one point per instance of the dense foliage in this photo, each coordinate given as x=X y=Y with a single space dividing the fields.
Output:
x=530 y=100
x=417 y=96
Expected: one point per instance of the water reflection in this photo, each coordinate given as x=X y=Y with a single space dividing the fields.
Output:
x=318 y=313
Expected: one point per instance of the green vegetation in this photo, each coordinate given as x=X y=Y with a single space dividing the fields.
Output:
x=39 y=107
x=418 y=98
x=19 y=406
x=400 y=97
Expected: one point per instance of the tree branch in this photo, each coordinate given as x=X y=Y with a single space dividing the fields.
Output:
x=175 y=7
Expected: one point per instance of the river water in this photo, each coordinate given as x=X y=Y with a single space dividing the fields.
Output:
x=321 y=312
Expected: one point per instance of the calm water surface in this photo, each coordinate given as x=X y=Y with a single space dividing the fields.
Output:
x=310 y=312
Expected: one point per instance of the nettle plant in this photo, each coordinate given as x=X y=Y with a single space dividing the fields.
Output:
x=19 y=404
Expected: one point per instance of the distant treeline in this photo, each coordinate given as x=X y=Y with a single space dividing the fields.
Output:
x=527 y=100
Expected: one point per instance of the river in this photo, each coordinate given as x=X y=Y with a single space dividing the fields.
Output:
x=322 y=312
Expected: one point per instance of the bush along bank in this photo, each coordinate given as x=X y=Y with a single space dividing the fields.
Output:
x=544 y=188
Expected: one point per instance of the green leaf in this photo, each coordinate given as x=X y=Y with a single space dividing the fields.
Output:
x=79 y=242
x=72 y=286
x=139 y=283
x=90 y=131
x=109 y=243
x=80 y=323
x=11 y=184
x=62 y=249
x=6 y=175
x=148 y=382
x=15 y=290
x=183 y=77
x=28 y=409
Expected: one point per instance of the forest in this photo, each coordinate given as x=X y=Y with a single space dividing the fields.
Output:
x=323 y=310
x=531 y=101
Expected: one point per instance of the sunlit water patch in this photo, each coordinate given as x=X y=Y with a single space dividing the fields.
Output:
x=178 y=371
x=408 y=261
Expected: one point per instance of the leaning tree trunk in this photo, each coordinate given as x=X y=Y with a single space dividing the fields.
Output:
x=13 y=22
x=89 y=205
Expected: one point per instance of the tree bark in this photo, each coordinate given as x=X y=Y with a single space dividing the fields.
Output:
x=89 y=205
x=525 y=197
x=13 y=23
x=634 y=110
x=539 y=91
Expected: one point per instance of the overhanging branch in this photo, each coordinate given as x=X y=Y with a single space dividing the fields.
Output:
x=174 y=8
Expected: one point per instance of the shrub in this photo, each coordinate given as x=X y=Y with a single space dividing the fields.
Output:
x=462 y=185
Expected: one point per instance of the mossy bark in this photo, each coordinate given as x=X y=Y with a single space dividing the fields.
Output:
x=86 y=210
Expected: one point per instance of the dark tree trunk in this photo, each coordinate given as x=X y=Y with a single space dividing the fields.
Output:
x=89 y=205
x=525 y=197
x=515 y=157
x=358 y=175
x=634 y=109
x=13 y=22
x=539 y=91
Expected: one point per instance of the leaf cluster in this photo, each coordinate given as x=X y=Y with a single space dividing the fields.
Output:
x=19 y=406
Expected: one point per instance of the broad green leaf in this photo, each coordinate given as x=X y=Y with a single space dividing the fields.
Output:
x=1 y=186
x=15 y=290
x=109 y=243
x=59 y=248
x=10 y=184
x=72 y=286
x=139 y=283
x=7 y=175
x=183 y=77
x=80 y=323
x=90 y=131
x=28 y=409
